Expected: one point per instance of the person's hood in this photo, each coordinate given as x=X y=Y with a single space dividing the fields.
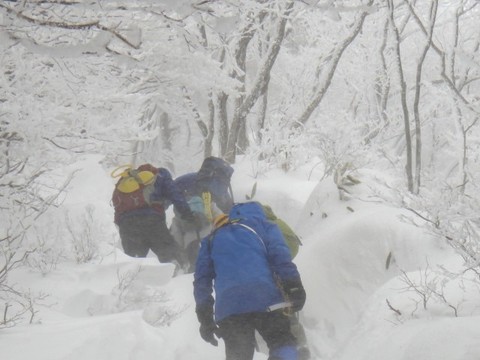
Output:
x=247 y=210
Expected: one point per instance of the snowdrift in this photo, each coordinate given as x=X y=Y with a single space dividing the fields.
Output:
x=354 y=255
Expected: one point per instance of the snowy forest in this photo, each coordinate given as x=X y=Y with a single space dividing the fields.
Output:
x=341 y=88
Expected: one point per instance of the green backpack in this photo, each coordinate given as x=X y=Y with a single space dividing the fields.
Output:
x=292 y=240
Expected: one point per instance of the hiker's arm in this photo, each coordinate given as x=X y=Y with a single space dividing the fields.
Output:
x=170 y=191
x=279 y=256
x=281 y=263
x=202 y=289
x=222 y=197
x=203 y=276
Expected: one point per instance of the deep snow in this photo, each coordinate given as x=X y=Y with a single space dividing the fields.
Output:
x=352 y=259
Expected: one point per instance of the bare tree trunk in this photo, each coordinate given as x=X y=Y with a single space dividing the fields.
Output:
x=198 y=119
x=465 y=130
x=449 y=76
x=460 y=86
x=208 y=138
x=262 y=114
x=204 y=128
x=166 y=136
x=330 y=69
x=385 y=86
x=223 y=122
x=382 y=89
x=403 y=95
x=207 y=151
x=140 y=147
x=240 y=59
x=260 y=82
x=448 y=80
x=149 y=150
x=416 y=112
x=241 y=141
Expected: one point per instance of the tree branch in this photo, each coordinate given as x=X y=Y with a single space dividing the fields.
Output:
x=330 y=71
x=70 y=26
x=392 y=308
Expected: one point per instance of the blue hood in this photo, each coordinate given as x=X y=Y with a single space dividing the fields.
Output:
x=249 y=210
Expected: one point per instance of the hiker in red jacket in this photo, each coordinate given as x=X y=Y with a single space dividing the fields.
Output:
x=140 y=199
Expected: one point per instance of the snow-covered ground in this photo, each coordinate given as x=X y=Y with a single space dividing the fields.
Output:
x=356 y=260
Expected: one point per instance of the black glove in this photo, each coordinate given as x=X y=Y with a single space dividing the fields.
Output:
x=207 y=332
x=295 y=293
x=199 y=220
x=208 y=328
x=189 y=216
x=196 y=220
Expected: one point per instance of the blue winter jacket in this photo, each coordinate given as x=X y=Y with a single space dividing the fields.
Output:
x=190 y=185
x=167 y=191
x=243 y=265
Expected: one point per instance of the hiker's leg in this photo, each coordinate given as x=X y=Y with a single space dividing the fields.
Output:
x=132 y=234
x=192 y=240
x=238 y=333
x=274 y=327
x=192 y=252
x=162 y=242
x=177 y=232
x=299 y=333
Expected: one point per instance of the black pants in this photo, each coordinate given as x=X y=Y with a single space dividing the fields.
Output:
x=238 y=332
x=192 y=252
x=142 y=233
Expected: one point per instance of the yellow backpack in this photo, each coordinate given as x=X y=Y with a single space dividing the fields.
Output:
x=132 y=179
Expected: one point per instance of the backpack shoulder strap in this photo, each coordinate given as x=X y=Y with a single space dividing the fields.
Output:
x=231 y=192
x=235 y=222
x=252 y=231
x=207 y=205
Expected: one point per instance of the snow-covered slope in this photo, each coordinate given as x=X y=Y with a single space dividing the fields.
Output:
x=354 y=258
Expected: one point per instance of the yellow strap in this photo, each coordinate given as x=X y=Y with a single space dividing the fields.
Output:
x=121 y=171
x=207 y=204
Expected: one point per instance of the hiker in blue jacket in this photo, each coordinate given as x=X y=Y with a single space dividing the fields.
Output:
x=248 y=265
x=208 y=193
x=213 y=177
